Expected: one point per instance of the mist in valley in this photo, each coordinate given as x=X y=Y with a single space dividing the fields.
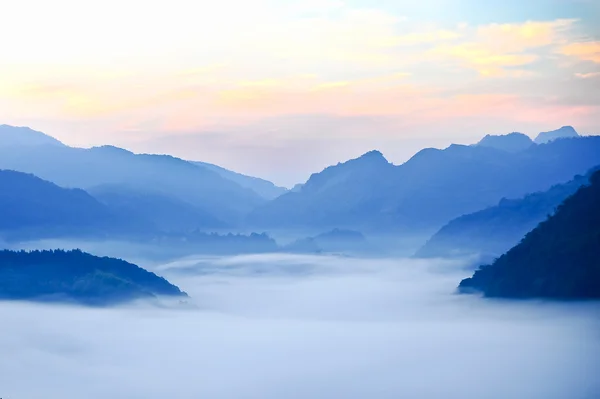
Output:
x=303 y=326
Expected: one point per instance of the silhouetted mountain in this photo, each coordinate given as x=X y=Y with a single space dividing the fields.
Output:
x=512 y=142
x=334 y=197
x=432 y=188
x=559 y=259
x=161 y=174
x=32 y=206
x=11 y=136
x=75 y=276
x=161 y=211
x=262 y=187
x=562 y=133
x=492 y=231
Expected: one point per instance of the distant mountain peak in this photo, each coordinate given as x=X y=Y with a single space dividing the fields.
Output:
x=24 y=136
x=112 y=149
x=511 y=142
x=563 y=132
x=373 y=156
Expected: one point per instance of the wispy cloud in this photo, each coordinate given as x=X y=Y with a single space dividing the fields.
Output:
x=586 y=51
x=588 y=75
x=212 y=67
x=492 y=49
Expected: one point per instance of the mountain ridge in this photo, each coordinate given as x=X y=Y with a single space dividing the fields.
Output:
x=427 y=191
x=559 y=259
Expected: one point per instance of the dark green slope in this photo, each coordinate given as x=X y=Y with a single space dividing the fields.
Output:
x=76 y=276
x=493 y=231
x=559 y=259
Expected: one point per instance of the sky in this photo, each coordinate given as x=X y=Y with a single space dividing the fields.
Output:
x=283 y=88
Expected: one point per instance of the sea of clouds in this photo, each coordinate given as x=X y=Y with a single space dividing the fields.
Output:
x=298 y=327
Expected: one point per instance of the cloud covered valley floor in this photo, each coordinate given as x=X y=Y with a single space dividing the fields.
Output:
x=287 y=326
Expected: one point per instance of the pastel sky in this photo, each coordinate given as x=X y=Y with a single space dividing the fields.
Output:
x=282 y=88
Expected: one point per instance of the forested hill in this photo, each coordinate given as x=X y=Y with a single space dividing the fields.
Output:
x=76 y=276
x=559 y=259
x=493 y=231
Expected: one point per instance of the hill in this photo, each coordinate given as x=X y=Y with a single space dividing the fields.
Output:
x=432 y=188
x=492 y=231
x=559 y=259
x=160 y=174
x=512 y=142
x=262 y=187
x=75 y=276
x=161 y=211
x=562 y=133
x=30 y=205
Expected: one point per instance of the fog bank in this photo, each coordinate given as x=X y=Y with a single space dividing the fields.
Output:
x=287 y=326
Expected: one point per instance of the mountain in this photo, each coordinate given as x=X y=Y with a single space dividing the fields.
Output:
x=78 y=277
x=30 y=205
x=160 y=174
x=562 y=133
x=420 y=196
x=337 y=196
x=161 y=211
x=264 y=188
x=494 y=230
x=11 y=136
x=559 y=259
x=512 y=142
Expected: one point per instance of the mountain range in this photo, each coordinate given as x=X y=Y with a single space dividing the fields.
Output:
x=369 y=194
x=432 y=188
x=119 y=175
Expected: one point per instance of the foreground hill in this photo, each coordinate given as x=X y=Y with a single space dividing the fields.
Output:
x=262 y=187
x=559 y=259
x=161 y=174
x=492 y=231
x=432 y=188
x=30 y=205
x=75 y=276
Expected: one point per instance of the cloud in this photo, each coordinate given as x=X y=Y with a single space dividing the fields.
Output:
x=274 y=326
x=586 y=51
x=587 y=75
x=211 y=69
x=432 y=36
x=493 y=49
